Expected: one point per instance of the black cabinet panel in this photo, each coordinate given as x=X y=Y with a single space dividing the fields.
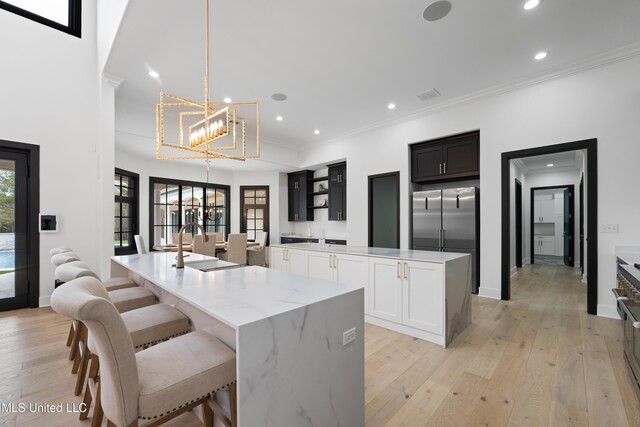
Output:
x=448 y=158
x=338 y=192
x=299 y=200
x=426 y=162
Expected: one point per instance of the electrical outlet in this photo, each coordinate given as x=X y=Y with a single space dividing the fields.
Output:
x=608 y=228
x=348 y=336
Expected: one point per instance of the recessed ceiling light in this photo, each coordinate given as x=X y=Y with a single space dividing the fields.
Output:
x=279 y=118
x=437 y=10
x=317 y=132
x=278 y=96
x=550 y=165
x=530 y=4
x=154 y=74
x=227 y=100
x=391 y=106
x=540 y=55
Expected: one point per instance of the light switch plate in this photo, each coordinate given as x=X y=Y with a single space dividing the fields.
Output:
x=608 y=228
x=348 y=336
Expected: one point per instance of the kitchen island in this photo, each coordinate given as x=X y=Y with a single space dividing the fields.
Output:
x=297 y=363
x=424 y=294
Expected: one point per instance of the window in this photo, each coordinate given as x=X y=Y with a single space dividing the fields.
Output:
x=126 y=211
x=254 y=211
x=174 y=203
x=63 y=15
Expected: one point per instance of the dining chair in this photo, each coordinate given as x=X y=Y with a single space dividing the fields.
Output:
x=202 y=247
x=256 y=255
x=141 y=247
x=155 y=384
x=187 y=238
x=236 y=249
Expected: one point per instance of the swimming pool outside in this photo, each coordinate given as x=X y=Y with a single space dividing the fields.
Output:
x=7 y=260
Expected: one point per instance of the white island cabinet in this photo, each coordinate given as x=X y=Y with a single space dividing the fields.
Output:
x=294 y=363
x=419 y=293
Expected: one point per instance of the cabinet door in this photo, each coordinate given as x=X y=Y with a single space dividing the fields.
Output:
x=302 y=198
x=548 y=212
x=293 y=197
x=338 y=192
x=426 y=162
x=297 y=262
x=277 y=259
x=353 y=270
x=461 y=156
x=423 y=296
x=548 y=246
x=320 y=265
x=385 y=289
x=537 y=210
x=537 y=247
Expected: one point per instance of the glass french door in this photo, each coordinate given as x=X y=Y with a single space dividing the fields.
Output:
x=255 y=210
x=14 y=287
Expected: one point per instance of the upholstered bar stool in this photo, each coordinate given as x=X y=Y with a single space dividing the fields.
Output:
x=75 y=269
x=56 y=251
x=154 y=384
x=64 y=258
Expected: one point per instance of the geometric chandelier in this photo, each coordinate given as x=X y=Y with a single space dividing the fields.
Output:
x=209 y=129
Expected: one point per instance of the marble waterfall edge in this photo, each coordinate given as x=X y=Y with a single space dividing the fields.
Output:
x=297 y=372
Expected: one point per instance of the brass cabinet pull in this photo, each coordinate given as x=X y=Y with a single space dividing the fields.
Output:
x=398 y=270
x=405 y=270
x=445 y=168
x=440 y=167
x=335 y=261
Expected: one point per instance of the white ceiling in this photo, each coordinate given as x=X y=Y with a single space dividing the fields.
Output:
x=559 y=160
x=342 y=62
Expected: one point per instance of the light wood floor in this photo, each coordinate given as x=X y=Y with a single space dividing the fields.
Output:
x=534 y=361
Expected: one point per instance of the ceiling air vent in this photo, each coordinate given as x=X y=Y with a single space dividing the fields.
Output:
x=430 y=94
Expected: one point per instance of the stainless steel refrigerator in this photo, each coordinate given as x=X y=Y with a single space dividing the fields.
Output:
x=447 y=221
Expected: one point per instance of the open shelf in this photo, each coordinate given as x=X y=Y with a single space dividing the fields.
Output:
x=317 y=207
x=320 y=178
x=317 y=193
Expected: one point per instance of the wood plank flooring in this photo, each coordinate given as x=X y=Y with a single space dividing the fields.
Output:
x=536 y=360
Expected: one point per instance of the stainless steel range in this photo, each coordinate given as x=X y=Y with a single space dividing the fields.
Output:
x=627 y=295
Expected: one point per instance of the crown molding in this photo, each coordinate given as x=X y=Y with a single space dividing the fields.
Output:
x=112 y=80
x=624 y=53
x=522 y=165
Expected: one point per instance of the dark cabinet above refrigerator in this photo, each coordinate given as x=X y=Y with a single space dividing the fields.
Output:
x=445 y=159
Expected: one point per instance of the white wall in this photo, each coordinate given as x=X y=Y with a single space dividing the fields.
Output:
x=111 y=13
x=600 y=103
x=49 y=86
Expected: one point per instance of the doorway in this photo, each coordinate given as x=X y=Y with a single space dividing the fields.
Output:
x=384 y=210
x=552 y=225
x=254 y=211
x=19 y=207
x=518 y=196
x=590 y=148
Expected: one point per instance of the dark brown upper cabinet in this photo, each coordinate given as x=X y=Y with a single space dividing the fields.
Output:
x=447 y=158
x=300 y=201
x=338 y=192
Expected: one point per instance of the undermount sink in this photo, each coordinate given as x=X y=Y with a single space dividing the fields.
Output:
x=211 y=265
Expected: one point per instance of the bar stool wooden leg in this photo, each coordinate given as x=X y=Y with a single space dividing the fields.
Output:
x=207 y=414
x=82 y=372
x=92 y=380
x=71 y=334
x=74 y=341
x=96 y=419
x=233 y=405
x=81 y=333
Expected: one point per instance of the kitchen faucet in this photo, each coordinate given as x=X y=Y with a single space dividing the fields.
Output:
x=180 y=257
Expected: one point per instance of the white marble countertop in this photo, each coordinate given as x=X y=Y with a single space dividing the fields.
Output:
x=630 y=255
x=235 y=296
x=439 y=257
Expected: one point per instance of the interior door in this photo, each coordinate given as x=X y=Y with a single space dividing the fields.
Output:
x=14 y=263
x=518 y=201
x=568 y=215
x=384 y=210
x=581 y=228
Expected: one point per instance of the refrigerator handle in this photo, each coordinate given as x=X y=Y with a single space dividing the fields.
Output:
x=441 y=240
x=426 y=203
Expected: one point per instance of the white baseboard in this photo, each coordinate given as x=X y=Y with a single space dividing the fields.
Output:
x=44 y=301
x=490 y=293
x=605 y=310
x=526 y=261
x=514 y=271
